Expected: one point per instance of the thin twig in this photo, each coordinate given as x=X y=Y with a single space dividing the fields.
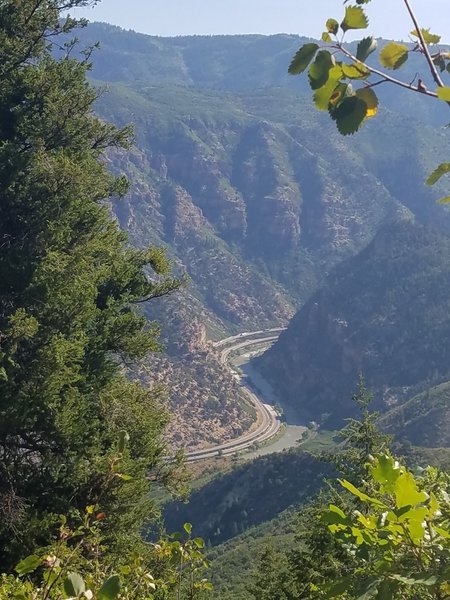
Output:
x=426 y=52
x=386 y=77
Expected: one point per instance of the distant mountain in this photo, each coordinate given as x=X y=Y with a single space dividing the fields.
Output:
x=239 y=188
x=229 y=62
x=385 y=313
x=254 y=194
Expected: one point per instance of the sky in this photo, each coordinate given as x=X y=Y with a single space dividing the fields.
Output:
x=388 y=18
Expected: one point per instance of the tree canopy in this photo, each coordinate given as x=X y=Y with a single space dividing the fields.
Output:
x=69 y=286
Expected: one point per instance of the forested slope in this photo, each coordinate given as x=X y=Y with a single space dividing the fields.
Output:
x=384 y=313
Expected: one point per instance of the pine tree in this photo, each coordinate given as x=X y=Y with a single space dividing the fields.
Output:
x=69 y=283
x=273 y=579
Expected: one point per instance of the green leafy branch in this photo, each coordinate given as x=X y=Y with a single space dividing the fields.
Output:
x=343 y=82
x=333 y=80
x=401 y=535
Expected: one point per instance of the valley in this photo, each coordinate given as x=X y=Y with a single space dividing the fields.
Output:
x=268 y=423
x=224 y=320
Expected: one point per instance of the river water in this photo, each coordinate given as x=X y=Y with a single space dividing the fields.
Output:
x=294 y=428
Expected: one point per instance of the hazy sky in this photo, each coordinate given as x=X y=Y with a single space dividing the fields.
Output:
x=388 y=18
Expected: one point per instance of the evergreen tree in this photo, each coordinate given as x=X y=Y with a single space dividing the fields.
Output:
x=318 y=557
x=361 y=438
x=68 y=286
x=273 y=579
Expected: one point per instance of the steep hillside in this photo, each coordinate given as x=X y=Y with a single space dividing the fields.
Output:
x=255 y=196
x=249 y=206
x=424 y=420
x=233 y=63
x=251 y=494
x=384 y=312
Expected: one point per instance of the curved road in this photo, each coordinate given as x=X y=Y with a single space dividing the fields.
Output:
x=269 y=422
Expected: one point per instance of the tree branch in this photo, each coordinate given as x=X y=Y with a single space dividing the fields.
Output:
x=384 y=76
x=424 y=47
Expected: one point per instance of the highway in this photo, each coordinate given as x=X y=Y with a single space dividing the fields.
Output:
x=267 y=419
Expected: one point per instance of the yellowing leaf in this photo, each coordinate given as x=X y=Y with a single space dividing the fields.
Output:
x=443 y=93
x=355 y=71
x=355 y=18
x=441 y=170
x=430 y=38
x=332 y=26
x=394 y=55
x=343 y=90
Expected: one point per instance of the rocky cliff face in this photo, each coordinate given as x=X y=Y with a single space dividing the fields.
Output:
x=249 y=207
x=255 y=195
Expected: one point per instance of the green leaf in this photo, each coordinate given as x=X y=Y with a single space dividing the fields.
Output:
x=124 y=476
x=394 y=55
x=369 y=589
x=386 y=471
x=420 y=579
x=188 y=528
x=441 y=170
x=324 y=95
x=365 y=48
x=319 y=71
x=337 y=588
x=349 y=116
x=326 y=37
x=430 y=38
x=355 y=71
x=110 y=589
x=302 y=58
x=445 y=200
x=346 y=484
x=28 y=564
x=443 y=93
x=332 y=26
x=443 y=532
x=335 y=516
x=414 y=514
x=406 y=492
x=74 y=586
x=355 y=18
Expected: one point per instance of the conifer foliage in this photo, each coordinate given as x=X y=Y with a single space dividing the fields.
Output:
x=68 y=286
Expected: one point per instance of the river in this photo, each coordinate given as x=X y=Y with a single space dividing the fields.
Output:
x=294 y=428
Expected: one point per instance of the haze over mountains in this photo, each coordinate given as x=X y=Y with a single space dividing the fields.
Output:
x=257 y=198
